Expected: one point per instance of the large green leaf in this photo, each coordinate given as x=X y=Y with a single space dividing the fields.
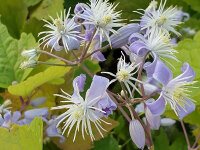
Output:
x=27 y=137
x=25 y=88
x=10 y=56
x=13 y=15
x=31 y=2
x=108 y=143
x=195 y=4
x=47 y=8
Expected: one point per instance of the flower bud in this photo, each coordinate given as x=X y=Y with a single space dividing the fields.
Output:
x=30 y=53
x=28 y=64
x=137 y=133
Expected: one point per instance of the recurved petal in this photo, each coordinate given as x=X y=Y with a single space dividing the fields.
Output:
x=157 y=107
x=137 y=133
x=97 y=89
x=138 y=48
x=187 y=75
x=121 y=39
x=79 y=83
x=162 y=73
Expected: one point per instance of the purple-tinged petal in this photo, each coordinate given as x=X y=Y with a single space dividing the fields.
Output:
x=56 y=45
x=149 y=67
x=52 y=131
x=7 y=117
x=162 y=73
x=138 y=48
x=106 y=104
x=137 y=133
x=121 y=39
x=139 y=108
x=99 y=56
x=157 y=107
x=80 y=7
x=154 y=120
x=79 y=82
x=39 y=112
x=187 y=75
x=150 y=86
x=135 y=37
x=1 y=120
x=188 y=109
x=72 y=44
x=38 y=101
x=16 y=116
x=98 y=88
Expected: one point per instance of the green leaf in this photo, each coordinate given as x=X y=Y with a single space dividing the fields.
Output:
x=128 y=7
x=33 y=26
x=13 y=15
x=10 y=56
x=195 y=4
x=27 y=137
x=25 y=88
x=47 y=8
x=31 y=2
x=108 y=143
x=161 y=141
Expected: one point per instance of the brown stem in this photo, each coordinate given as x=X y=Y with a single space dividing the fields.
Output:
x=105 y=47
x=197 y=139
x=139 y=77
x=55 y=56
x=185 y=133
x=21 y=100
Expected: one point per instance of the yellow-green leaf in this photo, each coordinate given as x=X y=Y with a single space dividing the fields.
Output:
x=27 y=137
x=25 y=88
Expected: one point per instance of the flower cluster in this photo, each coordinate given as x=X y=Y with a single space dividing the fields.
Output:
x=90 y=27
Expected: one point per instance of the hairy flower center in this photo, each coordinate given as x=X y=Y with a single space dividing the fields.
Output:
x=161 y=20
x=105 y=20
x=59 y=25
x=78 y=113
x=178 y=95
x=122 y=75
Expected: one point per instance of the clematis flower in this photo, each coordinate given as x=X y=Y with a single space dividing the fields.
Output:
x=63 y=33
x=82 y=113
x=8 y=120
x=157 y=42
x=125 y=74
x=174 y=91
x=102 y=15
x=163 y=19
x=137 y=133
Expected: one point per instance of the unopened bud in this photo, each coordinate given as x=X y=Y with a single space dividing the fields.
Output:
x=28 y=64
